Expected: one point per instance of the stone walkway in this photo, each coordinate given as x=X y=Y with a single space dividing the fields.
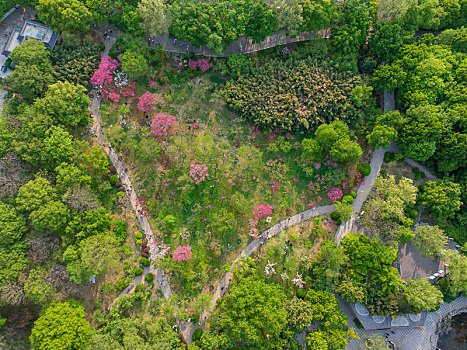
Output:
x=132 y=195
x=240 y=46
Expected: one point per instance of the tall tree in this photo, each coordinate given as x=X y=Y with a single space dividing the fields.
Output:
x=63 y=15
x=422 y=295
x=153 y=14
x=61 y=326
x=431 y=241
x=442 y=197
x=251 y=313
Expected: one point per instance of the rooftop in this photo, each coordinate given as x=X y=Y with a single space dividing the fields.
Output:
x=30 y=29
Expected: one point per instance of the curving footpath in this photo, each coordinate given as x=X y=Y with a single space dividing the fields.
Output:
x=402 y=336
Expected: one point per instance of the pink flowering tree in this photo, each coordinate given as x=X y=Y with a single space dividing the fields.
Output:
x=199 y=173
x=163 y=124
x=335 y=194
x=182 y=253
x=114 y=97
x=262 y=211
x=103 y=74
x=203 y=65
x=145 y=102
x=192 y=64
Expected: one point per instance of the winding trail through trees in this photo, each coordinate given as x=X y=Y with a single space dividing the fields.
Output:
x=187 y=328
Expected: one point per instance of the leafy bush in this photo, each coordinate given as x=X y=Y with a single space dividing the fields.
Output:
x=197 y=334
x=416 y=171
x=367 y=65
x=413 y=213
x=121 y=284
x=145 y=255
x=301 y=293
x=139 y=288
x=420 y=175
x=120 y=227
x=113 y=179
x=149 y=277
x=216 y=80
x=365 y=170
x=138 y=235
x=139 y=271
x=339 y=221
x=353 y=194
x=399 y=156
x=335 y=215
x=388 y=156
x=118 y=184
x=144 y=261
x=347 y=199
x=112 y=169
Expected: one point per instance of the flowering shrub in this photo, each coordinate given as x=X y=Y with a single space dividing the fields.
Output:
x=152 y=84
x=253 y=223
x=199 y=173
x=129 y=91
x=182 y=253
x=104 y=73
x=114 y=97
x=192 y=64
x=275 y=186
x=335 y=194
x=314 y=187
x=163 y=124
x=202 y=64
x=317 y=165
x=262 y=211
x=145 y=102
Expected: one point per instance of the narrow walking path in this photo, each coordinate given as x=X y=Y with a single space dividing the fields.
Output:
x=132 y=196
x=240 y=46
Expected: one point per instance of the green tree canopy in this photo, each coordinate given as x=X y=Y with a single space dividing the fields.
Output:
x=431 y=241
x=251 y=313
x=442 y=197
x=153 y=14
x=422 y=295
x=61 y=326
x=63 y=15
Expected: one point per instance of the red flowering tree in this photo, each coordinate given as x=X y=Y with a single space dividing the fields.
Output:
x=163 y=124
x=262 y=211
x=182 y=253
x=199 y=173
x=114 y=97
x=103 y=74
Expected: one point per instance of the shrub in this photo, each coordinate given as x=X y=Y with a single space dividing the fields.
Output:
x=118 y=184
x=399 y=156
x=301 y=293
x=144 y=261
x=413 y=213
x=358 y=323
x=197 y=334
x=139 y=288
x=138 y=235
x=145 y=255
x=119 y=194
x=139 y=241
x=339 y=221
x=108 y=288
x=107 y=176
x=335 y=215
x=121 y=284
x=416 y=170
x=146 y=250
x=120 y=228
x=388 y=156
x=367 y=65
x=216 y=80
x=113 y=179
x=121 y=189
x=139 y=271
x=365 y=170
x=347 y=199
x=420 y=175
x=149 y=277
x=112 y=169
x=353 y=194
